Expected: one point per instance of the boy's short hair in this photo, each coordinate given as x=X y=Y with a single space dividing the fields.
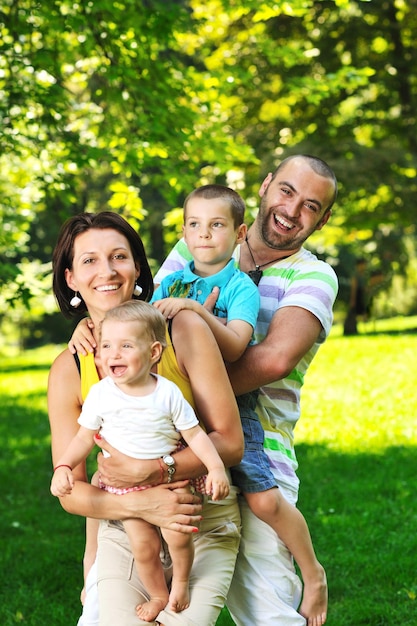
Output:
x=139 y=311
x=212 y=192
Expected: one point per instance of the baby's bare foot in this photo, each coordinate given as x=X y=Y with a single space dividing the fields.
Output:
x=150 y=609
x=179 y=598
x=314 y=604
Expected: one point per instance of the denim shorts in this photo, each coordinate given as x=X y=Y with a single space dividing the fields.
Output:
x=253 y=474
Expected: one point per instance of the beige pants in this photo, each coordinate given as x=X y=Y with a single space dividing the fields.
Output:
x=265 y=587
x=216 y=546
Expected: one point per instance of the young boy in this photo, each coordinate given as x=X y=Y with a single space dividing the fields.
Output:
x=213 y=226
x=143 y=415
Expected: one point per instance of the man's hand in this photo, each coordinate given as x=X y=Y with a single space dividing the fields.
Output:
x=211 y=300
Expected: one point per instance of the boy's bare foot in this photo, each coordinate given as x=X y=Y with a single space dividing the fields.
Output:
x=150 y=609
x=179 y=597
x=314 y=604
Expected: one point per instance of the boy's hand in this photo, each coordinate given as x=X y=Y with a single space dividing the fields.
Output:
x=217 y=484
x=82 y=339
x=169 y=307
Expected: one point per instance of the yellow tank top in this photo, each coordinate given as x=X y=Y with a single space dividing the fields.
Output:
x=88 y=373
x=168 y=367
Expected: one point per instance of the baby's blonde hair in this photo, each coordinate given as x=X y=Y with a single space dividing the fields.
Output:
x=139 y=311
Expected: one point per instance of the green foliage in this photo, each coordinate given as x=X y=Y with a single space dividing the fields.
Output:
x=131 y=104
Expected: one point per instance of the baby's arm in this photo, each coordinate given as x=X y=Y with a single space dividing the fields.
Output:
x=78 y=450
x=232 y=338
x=82 y=339
x=217 y=483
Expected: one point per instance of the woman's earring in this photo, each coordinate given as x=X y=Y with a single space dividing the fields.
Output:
x=75 y=301
x=137 y=290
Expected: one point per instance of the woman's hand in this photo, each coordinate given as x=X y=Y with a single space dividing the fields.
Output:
x=166 y=507
x=121 y=471
x=82 y=339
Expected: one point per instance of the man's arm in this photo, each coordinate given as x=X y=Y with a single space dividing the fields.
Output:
x=292 y=332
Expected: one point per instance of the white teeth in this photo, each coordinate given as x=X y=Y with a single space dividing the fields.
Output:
x=283 y=223
x=107 y=288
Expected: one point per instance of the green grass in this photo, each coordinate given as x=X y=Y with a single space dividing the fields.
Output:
x=357 y=450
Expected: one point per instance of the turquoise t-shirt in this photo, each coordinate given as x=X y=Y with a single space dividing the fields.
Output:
x=238 y=298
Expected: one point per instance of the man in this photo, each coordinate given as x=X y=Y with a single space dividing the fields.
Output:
x=297 y=294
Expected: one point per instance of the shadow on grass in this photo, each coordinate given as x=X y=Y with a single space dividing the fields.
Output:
x=362 y=513
x=361 y=509
x=390 y=333
x=9 y=367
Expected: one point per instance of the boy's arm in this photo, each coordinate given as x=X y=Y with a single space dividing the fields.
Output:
x=232 y=338
x=82 y=340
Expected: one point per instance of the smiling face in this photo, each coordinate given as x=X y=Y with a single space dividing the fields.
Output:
x=103 y=270
x=128 y=353
x=211 y=234
x=293 y=205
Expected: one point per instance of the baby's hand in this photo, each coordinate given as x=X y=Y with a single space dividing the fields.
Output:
x=62 y=482
x=217 y=484
x=82 y=339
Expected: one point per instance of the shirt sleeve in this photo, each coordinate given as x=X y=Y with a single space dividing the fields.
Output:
x=89 y=417
x=182 y=413
x=243 y=301
x=159 y=292
x=314 y=290
x=176 y=260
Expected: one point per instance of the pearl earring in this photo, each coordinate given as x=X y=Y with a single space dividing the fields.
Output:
x=137 y=290
x=75 y=301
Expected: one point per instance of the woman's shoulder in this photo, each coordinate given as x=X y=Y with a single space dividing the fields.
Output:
x=184 y=321
x=64 y=364
x=191 y=335
x=64 y=388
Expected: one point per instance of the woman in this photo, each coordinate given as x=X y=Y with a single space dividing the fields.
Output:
x=98 y=263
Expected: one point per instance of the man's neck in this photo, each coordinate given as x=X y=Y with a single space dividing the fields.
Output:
x=262 y=254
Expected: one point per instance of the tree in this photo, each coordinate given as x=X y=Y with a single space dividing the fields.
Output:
x=130 y=105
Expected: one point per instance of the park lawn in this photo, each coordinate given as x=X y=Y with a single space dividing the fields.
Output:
x=356 y=446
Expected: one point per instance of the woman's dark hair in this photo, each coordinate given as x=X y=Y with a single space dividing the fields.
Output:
x=63 y=256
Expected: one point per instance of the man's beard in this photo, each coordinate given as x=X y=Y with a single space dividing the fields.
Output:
x=274 y=240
